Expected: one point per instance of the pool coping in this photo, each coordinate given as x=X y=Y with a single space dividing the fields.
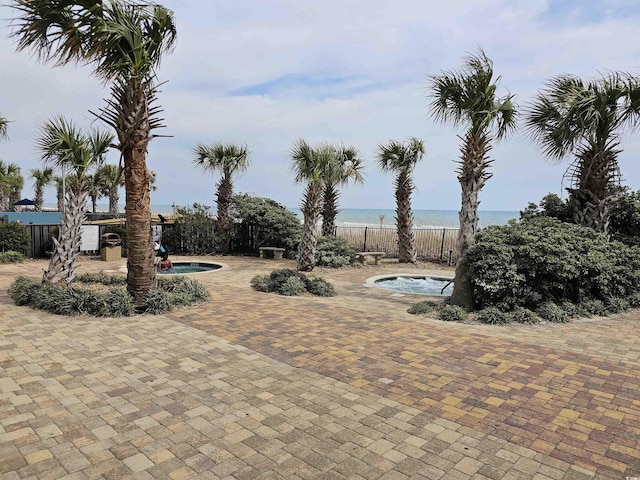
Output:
x=223 y=266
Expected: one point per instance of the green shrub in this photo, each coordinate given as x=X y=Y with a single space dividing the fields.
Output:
x=423 y=307
x=261 y=283
x=180 y=299
x=334 y=252
x=11 y=257
x=23 y=289
x=452 y=313
x=196 y=290
x=594 y=307
x=291 y=287
x=156 y=302
x=193 y=233
x=14 y=237
x=571 y=308
x=87 y=301
x=634 y=300
x=278 y=277
x=267 y=222
x=321 y=288
x=493 y=316
x=101 y=278
x=552 y=313
x=524 y=315
x=542 y=260
x=617 y=304
x=118 y=303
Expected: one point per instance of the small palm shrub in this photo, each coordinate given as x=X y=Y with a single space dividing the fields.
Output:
x=261 y=283
x=594 y=307
x=553 y=313
x=11 y=257
x=118 y=303
x=452 y=313
x=524 y=315
x=571 y=308
x=617 y=304
x=291 y=282
x=493 y=316
x=421 y=308
x=156 y=302
x=22 y=290
x=320 y=288
x=291 y=287
x=334 y=252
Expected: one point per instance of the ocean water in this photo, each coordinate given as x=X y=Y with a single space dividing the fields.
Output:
x=378 y=216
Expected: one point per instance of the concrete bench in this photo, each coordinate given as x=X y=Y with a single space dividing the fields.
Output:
x=277 y=252
x=360 y=256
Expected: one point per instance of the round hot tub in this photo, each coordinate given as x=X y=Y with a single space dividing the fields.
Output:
x=183 y=268
x=413 y=283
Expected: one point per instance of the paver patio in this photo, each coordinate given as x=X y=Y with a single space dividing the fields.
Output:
x=254 y=385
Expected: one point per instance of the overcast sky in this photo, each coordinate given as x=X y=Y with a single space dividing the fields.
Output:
x=267 y=72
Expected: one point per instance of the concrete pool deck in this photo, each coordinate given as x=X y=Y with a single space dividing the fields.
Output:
x=255 y=385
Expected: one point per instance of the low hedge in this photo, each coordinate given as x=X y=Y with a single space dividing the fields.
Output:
x=114 y=302
x=292 y=283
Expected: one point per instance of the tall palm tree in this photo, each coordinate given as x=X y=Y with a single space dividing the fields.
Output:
x=3 y=127
x=401 y=159
x=11 y=183
x=228 y=159
x=61 y=191
x=109 y=181
x=468 y=97
x=42 y=178
x=124 y=42
x=585 y=119
x=94 y=192
x=346 y=165
x=61 y=143
x=310 y=166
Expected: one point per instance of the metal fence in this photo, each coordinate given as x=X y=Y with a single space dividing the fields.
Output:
x=432 y=244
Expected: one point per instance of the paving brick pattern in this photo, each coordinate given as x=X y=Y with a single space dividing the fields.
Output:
x=347 y=387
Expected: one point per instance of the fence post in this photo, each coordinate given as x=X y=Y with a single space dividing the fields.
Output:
x=364 y=247
x=444 y=231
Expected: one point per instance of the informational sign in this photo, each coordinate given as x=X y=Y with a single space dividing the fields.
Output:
x=90 y=239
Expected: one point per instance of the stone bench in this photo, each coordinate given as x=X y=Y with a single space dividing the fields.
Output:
x=277 y=252
x=360 y=256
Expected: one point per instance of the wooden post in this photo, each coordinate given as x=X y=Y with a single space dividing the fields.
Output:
x=364 y=247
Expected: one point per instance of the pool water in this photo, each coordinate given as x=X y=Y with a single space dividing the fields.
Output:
x=425 y=285
x=189 y=267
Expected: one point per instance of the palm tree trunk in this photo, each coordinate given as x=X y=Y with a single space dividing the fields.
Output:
x=223 y=198
x=141 y=274
x=590 y=195
x=94 y=201
x=114 y=198
x=472 y=175
x=66 y=248
x=38 y=199
x=311 y=211
x=60 y=198
x=404 y=218
x=329 y=210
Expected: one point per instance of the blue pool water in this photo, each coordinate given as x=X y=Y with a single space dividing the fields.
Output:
x=189 y=267
x=425 y=285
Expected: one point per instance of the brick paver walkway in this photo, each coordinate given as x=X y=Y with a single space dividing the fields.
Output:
x=347 y=387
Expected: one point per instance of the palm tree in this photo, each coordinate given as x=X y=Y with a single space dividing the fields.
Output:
x=468 y=97
x=11 y=183
x=60 y=191
x=585 y=119
x=346 y=165
x=310 y=166
x=228 y=159
x=63 y=144
x=125 y=42
x=3 y=127
x=401 y=159
x=42 y=178
x=109 y=180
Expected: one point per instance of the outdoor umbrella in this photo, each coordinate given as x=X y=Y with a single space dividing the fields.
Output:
x=23 y=203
